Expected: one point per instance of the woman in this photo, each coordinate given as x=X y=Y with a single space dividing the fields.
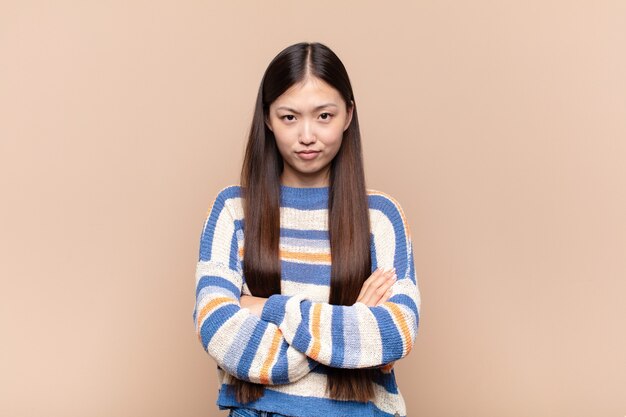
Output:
x=294 y=334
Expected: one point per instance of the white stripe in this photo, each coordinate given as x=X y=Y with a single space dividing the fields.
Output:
x=383 y=232
x=306 y=249
x=371 y=347
x=223 y=234
x=260 y=355
x=215 y=268
x=316 y=293
x=224 y=334
x=236 y=207
x=291 y=218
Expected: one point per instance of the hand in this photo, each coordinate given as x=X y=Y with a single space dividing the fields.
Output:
x=252 y=303
x=377 y=288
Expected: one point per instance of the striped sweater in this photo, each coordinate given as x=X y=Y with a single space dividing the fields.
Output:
x=300 y=334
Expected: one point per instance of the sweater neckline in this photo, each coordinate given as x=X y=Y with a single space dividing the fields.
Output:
x=304 y=194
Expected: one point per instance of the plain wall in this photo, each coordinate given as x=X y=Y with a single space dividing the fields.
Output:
x=499 y=126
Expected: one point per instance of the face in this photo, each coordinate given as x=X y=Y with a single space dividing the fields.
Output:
x=308 y=121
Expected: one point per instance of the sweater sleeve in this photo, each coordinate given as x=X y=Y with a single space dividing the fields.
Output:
x=242 y=344
x=359 y=336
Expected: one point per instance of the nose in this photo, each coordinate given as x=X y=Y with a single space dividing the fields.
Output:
x=307 y=136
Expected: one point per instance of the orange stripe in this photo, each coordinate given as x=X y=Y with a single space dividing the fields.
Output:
x=301 y=256
x=315 y=324
x=265 y=370
x=387 y=368
x=210 y=305
x=404 y=327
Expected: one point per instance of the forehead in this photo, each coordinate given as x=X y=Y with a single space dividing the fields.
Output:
x=310 y=92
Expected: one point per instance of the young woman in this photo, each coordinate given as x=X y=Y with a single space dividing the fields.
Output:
x=306 y=291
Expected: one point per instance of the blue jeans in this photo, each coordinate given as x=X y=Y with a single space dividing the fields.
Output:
x=248 y=412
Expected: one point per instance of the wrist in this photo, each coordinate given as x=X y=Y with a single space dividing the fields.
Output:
x=253 y=304
x=274 y=309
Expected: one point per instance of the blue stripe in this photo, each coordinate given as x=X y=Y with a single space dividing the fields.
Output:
x=240 y=340
x=206 y=239
x=387 y=381
x=351 y=323
x=297 y=405
x=234 y=255
x=316 y=200
x=280 y=371
x=216 y=291
x=391 y=211
x=210 y=280
x=337 y=336
x=274 y=308
x=305 y=205
x=232 y=191
x=389 y=334
x=302 y=338
x=406 y=301
x=304 y=234
x=214 y=321
x=252 y=346
x=306 y=273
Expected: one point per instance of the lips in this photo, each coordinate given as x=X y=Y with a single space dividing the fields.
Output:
x=308 y=154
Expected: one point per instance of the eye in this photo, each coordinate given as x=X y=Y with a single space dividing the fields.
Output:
x=285 y=117
x=328 y=116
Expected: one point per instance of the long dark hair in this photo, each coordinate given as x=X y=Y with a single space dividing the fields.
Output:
x=348 y=217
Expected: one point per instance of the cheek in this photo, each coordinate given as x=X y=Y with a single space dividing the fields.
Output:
x=282 y=143
x=333 y=146
x=334 y=138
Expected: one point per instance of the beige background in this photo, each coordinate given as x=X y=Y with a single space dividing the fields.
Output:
x=500 y=126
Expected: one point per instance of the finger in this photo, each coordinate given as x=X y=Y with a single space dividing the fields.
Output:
x=374 y=293
x=371 y=283
x=385 y=297
x=368 y=281
x=377 y=290
x=377 y=281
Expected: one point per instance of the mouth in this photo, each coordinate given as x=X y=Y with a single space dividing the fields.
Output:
x=308 y=154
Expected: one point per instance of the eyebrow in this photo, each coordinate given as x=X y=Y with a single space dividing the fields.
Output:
x=315 y=109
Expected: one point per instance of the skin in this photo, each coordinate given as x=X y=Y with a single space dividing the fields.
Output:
x=312 y=116
x=300 y=124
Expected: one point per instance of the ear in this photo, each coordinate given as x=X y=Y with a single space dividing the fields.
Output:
x=349 y=116
x=267 y=123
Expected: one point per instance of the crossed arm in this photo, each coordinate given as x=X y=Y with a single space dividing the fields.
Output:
x=258 y=351
x=282 y=338
x=375 y=290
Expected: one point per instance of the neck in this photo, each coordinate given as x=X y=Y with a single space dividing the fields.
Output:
x=304 y=181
